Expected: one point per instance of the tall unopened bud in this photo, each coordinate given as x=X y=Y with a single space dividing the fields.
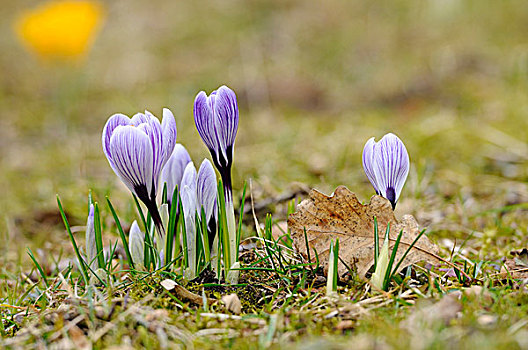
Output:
x=91 y=248
x=137 y=245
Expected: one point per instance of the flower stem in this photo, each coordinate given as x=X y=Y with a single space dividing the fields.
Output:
x=225 y=173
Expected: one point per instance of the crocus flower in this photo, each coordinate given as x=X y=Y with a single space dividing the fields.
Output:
x=189 y=204
x=137 y=148
x=91 y=248
x=207 y=196
x=386 y=164
x=216 y=118
x=172 y=172
x=137 y=245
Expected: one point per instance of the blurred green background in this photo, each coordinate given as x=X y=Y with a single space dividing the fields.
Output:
x=314 y=79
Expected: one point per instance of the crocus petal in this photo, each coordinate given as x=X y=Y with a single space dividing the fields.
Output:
x=391 y=167
x=172 y=172
x=139 y=118
x=131 y=152
x=189 y=203
x=189 y=177
x=204 y=120
x=153 y=130
x=206 y=189
x=368 y=163
x=112 y=123
x=226 y=120
x=170 y=132
x=137 y=242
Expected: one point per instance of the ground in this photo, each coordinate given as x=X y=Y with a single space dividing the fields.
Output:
x=314 y=81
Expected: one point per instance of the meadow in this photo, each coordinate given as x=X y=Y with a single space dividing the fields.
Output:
x=314 y=81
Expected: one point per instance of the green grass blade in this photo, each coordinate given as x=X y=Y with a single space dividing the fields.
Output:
x=84 y=272
x=388 y=273
x=376 y=242
x=39 y=268
x=121 y=233
x=98 y=236
x=241 y=214
x=307 y=247
x=222 y=229
x=140 y=212
x=205 y=236
x=164 y=194
x=336 y=264
x=169 y=244
x=112 y=252
x=185 y=247
x=408 y=250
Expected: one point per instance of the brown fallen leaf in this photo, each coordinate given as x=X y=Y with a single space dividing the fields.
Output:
x=342 y=216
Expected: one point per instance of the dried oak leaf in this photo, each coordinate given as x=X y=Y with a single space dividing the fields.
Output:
x=342 y=216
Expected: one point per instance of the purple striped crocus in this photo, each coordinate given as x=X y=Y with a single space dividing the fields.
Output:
x=172 y=172
x=137 y=148
x=189 y=206
x=207 y=197
x=216 y=118
x=386 y=164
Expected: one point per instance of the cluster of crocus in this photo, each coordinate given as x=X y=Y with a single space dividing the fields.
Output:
x=216 y=119
x=144 y=154
x=386 y=164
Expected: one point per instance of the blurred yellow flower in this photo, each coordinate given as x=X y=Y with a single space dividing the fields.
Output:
x=61 y=30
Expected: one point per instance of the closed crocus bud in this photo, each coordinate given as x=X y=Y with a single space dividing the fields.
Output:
x=172 y=172
x=91 y=248
x=137 y=148
x=386 y=164
x=207 y=189
x=378 y=277
x=137 y=245
x=189 y=180
x=164 y=214
x=207 y=196
x=189 y=204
